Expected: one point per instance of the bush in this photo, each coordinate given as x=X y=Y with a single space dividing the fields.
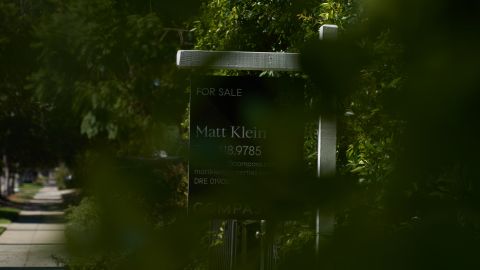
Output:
x=9 y=213
x=61 y=174
x=82 y=232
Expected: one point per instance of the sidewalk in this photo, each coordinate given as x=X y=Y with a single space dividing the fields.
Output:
x=38 y=234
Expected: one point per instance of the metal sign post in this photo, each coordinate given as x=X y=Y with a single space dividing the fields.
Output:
x=276 y=61
x=326 y=155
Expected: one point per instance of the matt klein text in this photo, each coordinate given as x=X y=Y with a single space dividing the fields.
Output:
x=235 y=132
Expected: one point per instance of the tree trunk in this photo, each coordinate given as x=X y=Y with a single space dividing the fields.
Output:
x=5 y=177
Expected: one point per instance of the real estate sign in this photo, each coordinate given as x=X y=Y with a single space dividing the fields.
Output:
x=246 y=142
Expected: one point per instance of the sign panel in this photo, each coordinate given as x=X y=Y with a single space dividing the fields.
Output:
x=246 y=142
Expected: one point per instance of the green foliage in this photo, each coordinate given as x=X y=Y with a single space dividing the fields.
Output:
x=293 y=237
x=61 y=174
x=82 y=228
x=225 y=25
x=8 y=214
x=111 y=72
x=82 y=218
x=310 y=145
x=268 y=25
x=370 y=129
x=23 y=135
x=135 y=218
x=343 y=13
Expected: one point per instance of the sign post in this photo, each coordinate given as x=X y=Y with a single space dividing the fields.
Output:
x=240 y=149
x=326 y=154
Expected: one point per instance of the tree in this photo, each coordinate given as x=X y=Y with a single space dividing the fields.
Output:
x=24 y=136
x=108 y=66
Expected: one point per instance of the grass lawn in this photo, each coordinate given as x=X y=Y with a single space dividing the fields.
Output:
x=7 y=215
x=26 y=193
x=5 y=221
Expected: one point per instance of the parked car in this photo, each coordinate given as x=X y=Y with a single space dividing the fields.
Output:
x=28 y=176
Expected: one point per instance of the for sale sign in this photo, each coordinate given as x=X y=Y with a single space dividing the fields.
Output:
x=246 y=142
